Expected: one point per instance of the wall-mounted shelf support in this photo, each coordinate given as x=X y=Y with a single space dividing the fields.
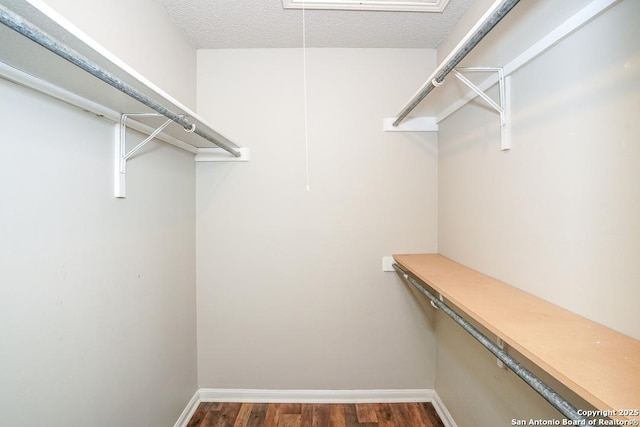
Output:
x=121 y=154
x=433 y=304
x=504 y=108
x=503 y=346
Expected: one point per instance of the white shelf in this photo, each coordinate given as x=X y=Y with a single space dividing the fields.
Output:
x=20 y=53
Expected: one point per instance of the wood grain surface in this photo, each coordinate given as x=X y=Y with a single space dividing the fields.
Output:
x=315 y=415
x=597 y=363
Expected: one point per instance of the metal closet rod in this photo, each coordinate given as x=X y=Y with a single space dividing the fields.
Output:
x=498 y=11
x=32 y=32
x=551 y=396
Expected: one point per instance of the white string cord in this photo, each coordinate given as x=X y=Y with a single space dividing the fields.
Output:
x=304 y=79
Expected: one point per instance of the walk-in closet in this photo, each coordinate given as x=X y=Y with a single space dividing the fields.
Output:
x=319 y=213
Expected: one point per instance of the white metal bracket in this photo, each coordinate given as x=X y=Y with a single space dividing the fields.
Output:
x=121 y=154
x=504 y=108
x=433 y=304
x=503 y=346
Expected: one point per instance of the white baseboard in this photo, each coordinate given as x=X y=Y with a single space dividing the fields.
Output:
x=442 y=411
x=315 y=396
x=188 y=411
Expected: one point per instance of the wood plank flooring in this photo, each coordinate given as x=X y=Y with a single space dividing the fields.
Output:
x=315 y=415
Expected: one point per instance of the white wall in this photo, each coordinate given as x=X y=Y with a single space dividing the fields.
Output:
x=559 y=215
x=97 y=294
x=290 y=289
x=141 y=34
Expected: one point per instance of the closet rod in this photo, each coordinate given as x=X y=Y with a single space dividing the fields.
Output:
x=32 y=32
x=551 y=396
x=490 y=19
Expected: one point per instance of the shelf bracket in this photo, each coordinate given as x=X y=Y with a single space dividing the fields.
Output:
x=121 y=153
x=503 y=346
x=504 y=108
x=433 y=304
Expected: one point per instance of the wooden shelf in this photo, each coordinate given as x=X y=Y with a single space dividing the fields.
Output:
x=597 y=363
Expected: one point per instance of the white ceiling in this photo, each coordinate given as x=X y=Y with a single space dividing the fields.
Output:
x=232 y=24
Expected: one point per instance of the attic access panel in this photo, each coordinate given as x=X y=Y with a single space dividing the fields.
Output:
x=436 y=6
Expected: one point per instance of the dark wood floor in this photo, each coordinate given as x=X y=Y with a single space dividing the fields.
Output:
x=315 y=415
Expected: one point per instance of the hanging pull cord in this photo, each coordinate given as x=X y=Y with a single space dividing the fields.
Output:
x=304 y=80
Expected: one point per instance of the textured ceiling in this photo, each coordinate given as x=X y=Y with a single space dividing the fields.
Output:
x=232 y=24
